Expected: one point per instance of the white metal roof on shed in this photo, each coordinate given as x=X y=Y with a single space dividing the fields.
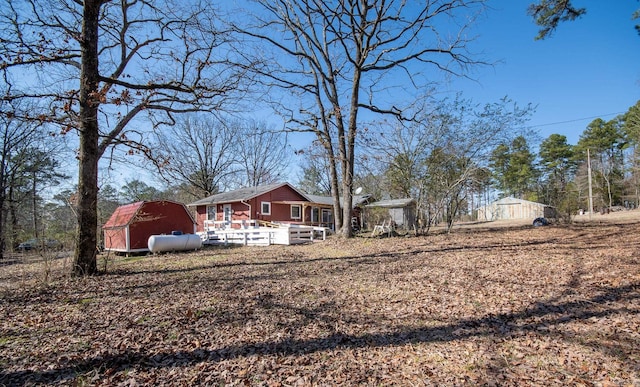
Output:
x=393 y=203
x=512 y=200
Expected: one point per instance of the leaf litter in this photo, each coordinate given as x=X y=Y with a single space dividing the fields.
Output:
x=557 y=305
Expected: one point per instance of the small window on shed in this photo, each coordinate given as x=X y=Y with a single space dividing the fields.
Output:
x=295 y=211
x=265 y=208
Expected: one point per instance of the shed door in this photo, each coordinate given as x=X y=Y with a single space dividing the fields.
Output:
x=226 y=209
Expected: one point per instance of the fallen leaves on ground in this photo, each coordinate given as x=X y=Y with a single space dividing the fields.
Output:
x=556 y=305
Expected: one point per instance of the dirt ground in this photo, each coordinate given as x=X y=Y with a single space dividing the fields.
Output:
x=488 y=304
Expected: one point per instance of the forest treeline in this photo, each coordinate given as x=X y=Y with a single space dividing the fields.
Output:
x=451 y=167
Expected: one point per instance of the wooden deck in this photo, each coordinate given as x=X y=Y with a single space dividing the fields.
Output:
x=249 y=234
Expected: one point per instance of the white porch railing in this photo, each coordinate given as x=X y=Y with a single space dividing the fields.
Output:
x=219 y=232
x=229 y=224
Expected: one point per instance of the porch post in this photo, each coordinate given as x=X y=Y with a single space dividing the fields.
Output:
x=304 y=211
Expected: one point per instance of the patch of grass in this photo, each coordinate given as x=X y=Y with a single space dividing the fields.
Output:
x=203 y=312
x=86 y=301
x=142 y=320
x=133 y=258
x=6 y=339
x=173 y=335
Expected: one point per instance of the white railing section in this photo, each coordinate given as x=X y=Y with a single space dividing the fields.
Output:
x=248 y=233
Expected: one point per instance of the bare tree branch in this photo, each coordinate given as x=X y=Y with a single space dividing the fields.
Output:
x=332 y=55
x=102 y=67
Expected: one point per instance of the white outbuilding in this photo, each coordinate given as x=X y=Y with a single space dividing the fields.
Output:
x=511 y=208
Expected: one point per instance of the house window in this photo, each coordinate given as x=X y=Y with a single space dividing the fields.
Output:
x=227 y=212
x=315 y=215
x=327 y=216
x=211 y=212
x=265 y=208
x=295 y=211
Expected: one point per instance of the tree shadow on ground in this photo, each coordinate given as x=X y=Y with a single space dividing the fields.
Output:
x=541 y=318
x=352 y=261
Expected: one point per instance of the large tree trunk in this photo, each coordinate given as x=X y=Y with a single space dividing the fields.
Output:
x=12 y=215
x=347 y=188
x=335 y=194
x=348 y=152
x=333 y=176
x=3 y=229
x=86 y=242
x=34 y=203
x=3 y=211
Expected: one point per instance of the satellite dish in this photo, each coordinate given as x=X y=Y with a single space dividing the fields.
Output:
x=358 y=191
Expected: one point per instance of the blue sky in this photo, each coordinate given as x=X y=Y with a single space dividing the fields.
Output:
x=588 y=68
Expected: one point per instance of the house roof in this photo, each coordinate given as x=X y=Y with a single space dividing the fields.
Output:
x=328 y=200
x=249 y=193
x=123 y=215
x=393 y=203
x=241 y=194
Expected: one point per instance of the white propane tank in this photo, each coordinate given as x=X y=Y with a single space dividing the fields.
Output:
x=160 y=243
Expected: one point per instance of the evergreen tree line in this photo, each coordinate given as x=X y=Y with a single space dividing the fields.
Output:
x=558 y=175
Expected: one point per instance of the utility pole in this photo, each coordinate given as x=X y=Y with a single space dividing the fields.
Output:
x=589 y=179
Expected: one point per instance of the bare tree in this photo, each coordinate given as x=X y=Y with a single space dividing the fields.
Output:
x=262 y=153
x=337 y=58
x=444 y=152
x=314 y=176
x=198 y=153
x=401 y=150
x=17 y=137
x=101 y=64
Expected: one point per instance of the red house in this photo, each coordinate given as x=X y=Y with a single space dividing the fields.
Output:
x=270 y=203
x=130 y=226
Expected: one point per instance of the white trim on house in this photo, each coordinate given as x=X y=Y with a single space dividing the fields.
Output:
x=262 y=208
x=299 y=208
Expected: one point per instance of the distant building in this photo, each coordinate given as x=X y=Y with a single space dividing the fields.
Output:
x=511 y=208
x=402 y=212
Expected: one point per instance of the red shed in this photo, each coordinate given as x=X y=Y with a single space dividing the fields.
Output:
x=130 y=226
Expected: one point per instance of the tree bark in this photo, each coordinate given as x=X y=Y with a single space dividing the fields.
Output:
x=34 y=202
x=86 y=240
x=3 y=217
x=12 y=214
x=3 y=221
